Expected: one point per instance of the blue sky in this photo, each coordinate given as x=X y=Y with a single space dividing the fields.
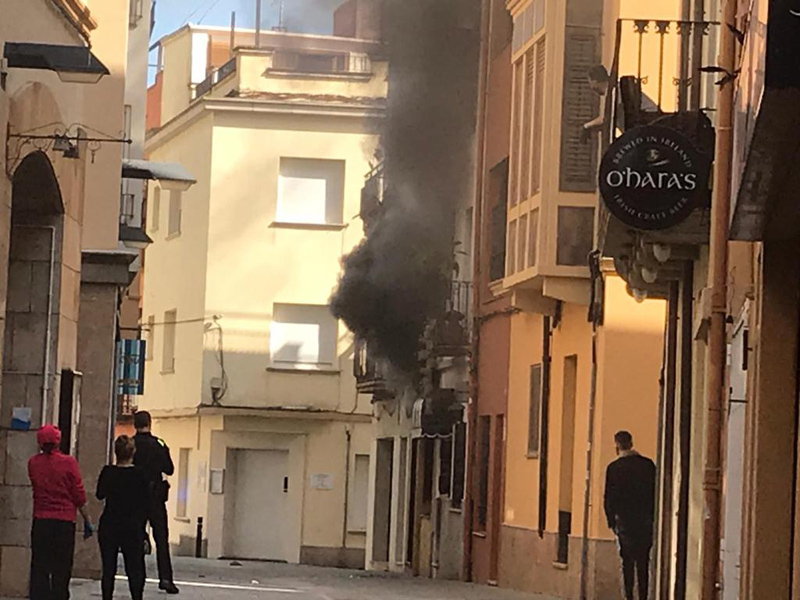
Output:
x=306 y=16
x=303 y=16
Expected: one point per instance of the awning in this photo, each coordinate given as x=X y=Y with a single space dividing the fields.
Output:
x=170 y=175
x=72 y=63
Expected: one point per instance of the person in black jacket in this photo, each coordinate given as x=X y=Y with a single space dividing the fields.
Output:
x=153 y=458
x=630 y=505
x=122 y=524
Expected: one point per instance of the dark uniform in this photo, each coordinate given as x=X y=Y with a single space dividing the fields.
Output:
x=629 y=506
x=153 y=458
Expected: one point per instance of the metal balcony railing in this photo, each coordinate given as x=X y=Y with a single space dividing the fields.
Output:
x=372 y=196
x=656 y=70
x=215 y=77
x=368 y=373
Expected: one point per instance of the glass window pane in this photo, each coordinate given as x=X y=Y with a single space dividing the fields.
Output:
x=575 y=235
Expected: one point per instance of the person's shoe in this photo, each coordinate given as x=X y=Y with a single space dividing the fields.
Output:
x=168 y=587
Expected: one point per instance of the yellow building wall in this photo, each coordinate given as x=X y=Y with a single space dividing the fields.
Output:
x=251 y=75
x=273 y=263
x=175 y=273
x=176 y=91
x=630 y=348
x=103 y=172
x=630 y=354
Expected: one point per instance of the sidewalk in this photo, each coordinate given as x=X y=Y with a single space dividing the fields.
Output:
x=223 y=580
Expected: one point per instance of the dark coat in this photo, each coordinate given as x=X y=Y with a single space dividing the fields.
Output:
x=630 y=496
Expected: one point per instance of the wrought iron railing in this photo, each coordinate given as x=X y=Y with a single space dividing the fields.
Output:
x=657 y=70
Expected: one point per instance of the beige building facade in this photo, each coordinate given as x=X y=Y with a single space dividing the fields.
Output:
x=249 y=376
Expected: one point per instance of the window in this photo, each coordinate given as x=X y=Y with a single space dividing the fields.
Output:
x=498 y=192
x=459 y=464
x=183 y=483
x=511 y=266
x=155 y=209
x=527 y=125
x=310 y=191
x=170 y=330
x=175 y=212
x=302 y=336
x=516 y=128
x=575 y=235
x=484 y=457
x=533 y=237
x=359 y=492
x=538 y=118
x=150 y=338
x=535 y=415
x=445 y=466
x=522 y=238
x=136 y=13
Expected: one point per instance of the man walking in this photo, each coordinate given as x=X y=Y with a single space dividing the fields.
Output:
x=153 y=458
x=629 y=505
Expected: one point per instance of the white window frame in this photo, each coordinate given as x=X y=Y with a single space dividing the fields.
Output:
x=327 y=341
x=331 y=177
x=175 y=217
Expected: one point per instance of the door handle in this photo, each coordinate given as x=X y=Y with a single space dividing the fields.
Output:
x=285 y=485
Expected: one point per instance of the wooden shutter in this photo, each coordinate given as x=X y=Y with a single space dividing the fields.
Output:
x=538 y=119
x=580 y=105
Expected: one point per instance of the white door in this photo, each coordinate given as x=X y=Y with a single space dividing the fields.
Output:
x=262 y=510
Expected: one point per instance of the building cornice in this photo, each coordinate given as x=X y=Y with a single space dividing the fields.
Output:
x=265 y=411
x=199 y=108
x=78 y=15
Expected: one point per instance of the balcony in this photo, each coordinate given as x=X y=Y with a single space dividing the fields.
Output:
x=215 y=77
x=369 y=373
x=658 y=78
x=372 y=197
x=449 y=335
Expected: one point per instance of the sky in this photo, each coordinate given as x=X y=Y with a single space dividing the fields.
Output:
x=302 y=16
x=305 y=16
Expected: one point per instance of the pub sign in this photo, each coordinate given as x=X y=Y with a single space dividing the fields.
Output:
x=653 y=177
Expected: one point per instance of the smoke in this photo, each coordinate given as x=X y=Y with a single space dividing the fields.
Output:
x=398 y=277
x=300 y=16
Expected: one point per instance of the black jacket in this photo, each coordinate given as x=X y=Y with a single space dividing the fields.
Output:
x=630 y=495
x=125 y=493
x=153 y=459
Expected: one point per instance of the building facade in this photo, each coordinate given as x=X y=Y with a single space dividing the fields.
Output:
x=584 y=356
x=250 y=377
x=62 y=271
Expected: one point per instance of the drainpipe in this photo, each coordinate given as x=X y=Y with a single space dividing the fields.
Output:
x=349 y=445
x=587 y=492
x=545 y=420
x=718 y=272
x=477 y=277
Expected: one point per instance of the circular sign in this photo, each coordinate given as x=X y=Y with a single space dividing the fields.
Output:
x=653 y=177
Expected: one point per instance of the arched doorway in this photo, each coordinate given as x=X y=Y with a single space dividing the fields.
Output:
x=34 y=283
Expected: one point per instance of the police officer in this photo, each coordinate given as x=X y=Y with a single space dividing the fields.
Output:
x=153 y=458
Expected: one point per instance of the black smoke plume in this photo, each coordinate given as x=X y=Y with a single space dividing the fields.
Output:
x=399 y=276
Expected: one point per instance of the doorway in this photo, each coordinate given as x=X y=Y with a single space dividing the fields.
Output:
x=566 y=467
x=734 y=463
x=382 y=524
x=262 y=505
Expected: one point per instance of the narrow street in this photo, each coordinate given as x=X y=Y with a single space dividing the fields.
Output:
x=206 y=579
